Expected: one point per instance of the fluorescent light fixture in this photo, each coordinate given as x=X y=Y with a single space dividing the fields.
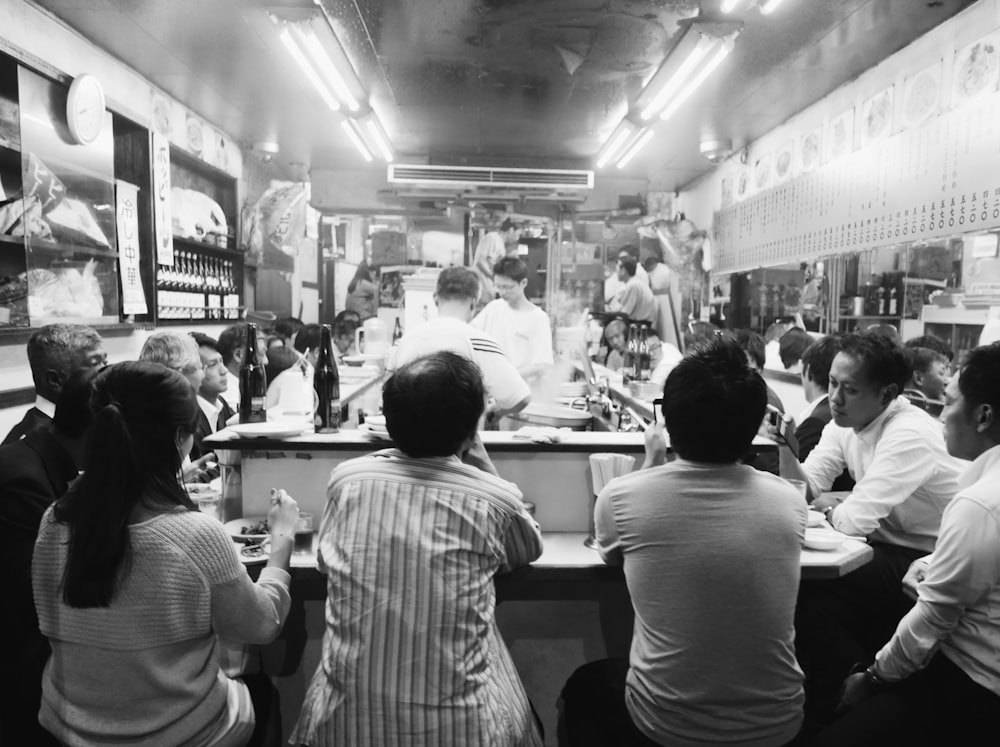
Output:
x=328 y=69
x=713 y=62
x=768 y=6
x=615 y=143
x=349 y=125
x=293 y=49
x=692 y=56
x=728 y=6
x=644 y=136
x=377 y=135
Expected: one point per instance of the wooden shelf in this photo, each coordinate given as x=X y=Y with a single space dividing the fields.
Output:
x=207 y=247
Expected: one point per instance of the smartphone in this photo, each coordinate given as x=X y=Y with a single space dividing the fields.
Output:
x=657 y=409
x=783 y=424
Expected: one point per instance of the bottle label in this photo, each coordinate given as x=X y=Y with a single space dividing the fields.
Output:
x=328 y=417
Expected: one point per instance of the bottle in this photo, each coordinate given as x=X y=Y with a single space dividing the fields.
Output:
x=253 y=381
x=326 y=382
x=645 y=362
x=893 y=304
x=881 y=303
x=630 y=367
x=397 y=331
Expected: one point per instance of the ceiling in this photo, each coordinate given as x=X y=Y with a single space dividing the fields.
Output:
x=537 y=83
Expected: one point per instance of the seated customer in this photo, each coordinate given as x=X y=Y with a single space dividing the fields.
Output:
x=34 y=472
x=929 y=374
x=816 y=362
x=932 y=342
x=711 y=553
x=215 y=411
x=410 y=542
x=904 y=480
x=791 y=346
x=134 y=586
x=937 y=680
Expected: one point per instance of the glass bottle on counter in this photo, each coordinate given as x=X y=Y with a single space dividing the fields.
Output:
x=630 y=369
x=253 y=381
x=326 y=381
x=645 y=362
x=397 y=332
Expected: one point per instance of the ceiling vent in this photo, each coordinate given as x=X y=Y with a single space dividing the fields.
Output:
x=482 y=176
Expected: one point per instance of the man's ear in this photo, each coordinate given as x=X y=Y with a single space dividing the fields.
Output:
x=54 y=380
x=984 y=417
x=918 y=379
x=889 y=393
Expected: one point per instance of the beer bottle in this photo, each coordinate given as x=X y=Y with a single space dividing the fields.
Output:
x=253 y=381
x=631 y=367
x=645 y=362
x=326 y=382
x=397 y=331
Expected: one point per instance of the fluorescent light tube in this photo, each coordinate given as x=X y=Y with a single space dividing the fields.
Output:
x=378 y=137
x=768 y=6
x=348 y=126
x=330 y=71
x=696 y=81
x=615 y=143
x=644 y=137
x=293 y=49
x=729 y=5
x=679 y=77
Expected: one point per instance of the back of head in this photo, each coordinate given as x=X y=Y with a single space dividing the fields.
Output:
x=287 y=327
x=141 y=410
x=433 y=404
x=792 y=345
x=348 y=315
x=979 y=383
x=818 y=357
x=457 y=284
x=921 y=359
x=205 y=341
x=753 y=345
x=233 y=338
x=932 y=342
x=512 y=268
x=887 y=331
x=713 y=403
x=73 y=413
x=507 y=225
x=309 y=337
x=628 y=264
x=882 y=359
x=173 y=350
x=57 y=347
x=279 y=359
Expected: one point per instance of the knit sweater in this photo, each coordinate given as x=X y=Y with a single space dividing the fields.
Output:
x=145 y=669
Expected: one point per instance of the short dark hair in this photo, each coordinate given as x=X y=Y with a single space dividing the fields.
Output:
x=921 y=359
x=55 y=346
x=507 y=225
x=752 y=344
x=628 y=263
x=279 y=359
x=287 y=327
x=457 y=284
x=233 y=338
x=979 y=378
x=511 y=267
x=309 y=338
x=932 y=342
x=711 y=385
x=881 y=358
x=204 y=341
x=433 y=404
x=792 y=345
x=73 y=412
x=818 y=357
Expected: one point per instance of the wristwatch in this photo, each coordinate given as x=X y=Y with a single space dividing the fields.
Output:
x=872 y=677
x=828 y=512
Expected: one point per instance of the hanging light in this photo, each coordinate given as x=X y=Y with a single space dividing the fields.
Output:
x=350 y=127
x=644 y=136
x=615 y=144
x=718 y=55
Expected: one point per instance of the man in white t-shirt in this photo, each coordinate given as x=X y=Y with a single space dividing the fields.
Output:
x=455 y=295
x=521 y=328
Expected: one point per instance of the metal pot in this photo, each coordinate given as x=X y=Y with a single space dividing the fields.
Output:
x=553 y=415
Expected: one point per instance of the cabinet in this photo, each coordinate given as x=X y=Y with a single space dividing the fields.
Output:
x=205 y=281
x=58 y=248
x=958 y=326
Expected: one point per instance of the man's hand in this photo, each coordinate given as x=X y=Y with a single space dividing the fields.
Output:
x=656 y=446
x=915 y=575
x=475 y=456
x=855 y=690
x=203 y=469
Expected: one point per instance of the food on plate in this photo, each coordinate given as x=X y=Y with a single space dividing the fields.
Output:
x=977 y=71
x=258 y=527
x=253 y=551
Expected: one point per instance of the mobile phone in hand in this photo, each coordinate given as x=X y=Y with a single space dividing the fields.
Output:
x=783 y=425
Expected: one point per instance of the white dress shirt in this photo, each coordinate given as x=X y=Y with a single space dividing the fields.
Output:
x=905 y=476
x=958 y=604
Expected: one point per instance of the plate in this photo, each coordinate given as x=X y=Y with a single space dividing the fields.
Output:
x=235 y=528
x=814 y=518
x=268 y=429
x=374 y=432
x=253 y=554
x=822 y=539
x=376 y=420
x=360 y=360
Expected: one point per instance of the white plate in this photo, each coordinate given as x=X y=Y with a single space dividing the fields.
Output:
x=374 y=432
x=822 y=539
x=376 y=420
x=253 y=554
x=269 y=429
x=236 y=527
x=814 y=518
x=362 y=358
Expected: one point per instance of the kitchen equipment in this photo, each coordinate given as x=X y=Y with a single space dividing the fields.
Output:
x=553 y=415
x=372 y=337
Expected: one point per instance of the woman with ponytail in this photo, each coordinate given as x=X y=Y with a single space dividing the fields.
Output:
x=134 y=586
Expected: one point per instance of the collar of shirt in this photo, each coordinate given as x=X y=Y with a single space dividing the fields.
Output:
x=984 y=463
x=49 y=408
x=870 y=434
x=810 y=409
x=211 y=412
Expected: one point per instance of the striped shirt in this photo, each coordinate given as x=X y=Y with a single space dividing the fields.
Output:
x=412 y=654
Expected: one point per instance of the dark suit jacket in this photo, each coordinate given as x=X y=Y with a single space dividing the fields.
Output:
x=765 y=461
x=34 y=472
x=203 y=429
x=808 y=432
x=33 y=420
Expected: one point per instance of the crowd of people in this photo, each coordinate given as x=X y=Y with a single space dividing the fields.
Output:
x=130 y=609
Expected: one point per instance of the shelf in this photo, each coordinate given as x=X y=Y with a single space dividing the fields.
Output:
x=204 y=246
x=55 y=247
x=6 y=240
x=880 y=317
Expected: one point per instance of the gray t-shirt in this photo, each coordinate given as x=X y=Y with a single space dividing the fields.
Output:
x=712 y=557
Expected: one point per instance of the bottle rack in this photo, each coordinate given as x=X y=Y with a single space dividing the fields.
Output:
x=202 y=285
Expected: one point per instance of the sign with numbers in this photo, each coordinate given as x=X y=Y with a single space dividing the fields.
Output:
x=127 y=222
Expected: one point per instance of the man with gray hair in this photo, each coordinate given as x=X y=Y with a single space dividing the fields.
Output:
x=55 y=352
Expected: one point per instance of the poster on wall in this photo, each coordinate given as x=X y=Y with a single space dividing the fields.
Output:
x=976 y=71
x=809 y=150
x=162 y=224
x=742 y=183
x=921 y=95
x=783 y=161
x=762 y=172
x=127 y=220
x=876 y=117
x=840 y=136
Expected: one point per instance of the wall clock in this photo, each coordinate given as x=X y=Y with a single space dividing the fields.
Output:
x=85 y=109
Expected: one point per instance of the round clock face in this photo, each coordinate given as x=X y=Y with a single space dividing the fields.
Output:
x=85 y=109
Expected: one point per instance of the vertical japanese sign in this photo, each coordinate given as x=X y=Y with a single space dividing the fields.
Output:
x=162 y=228
x=127 y=221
